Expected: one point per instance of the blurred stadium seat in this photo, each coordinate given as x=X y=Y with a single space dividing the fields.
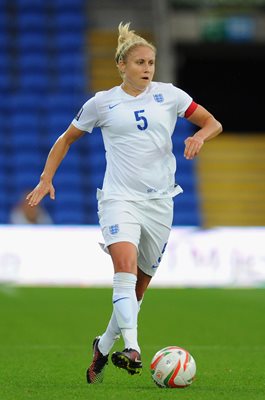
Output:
x=28 y=41
x=35 y=80
x=70 y=6
x=68 y=214
x=34 y=20
x=69 y=21
x=29 y=62
x=43 y=84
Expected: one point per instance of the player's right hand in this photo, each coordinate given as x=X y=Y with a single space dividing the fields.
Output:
x=40 y=191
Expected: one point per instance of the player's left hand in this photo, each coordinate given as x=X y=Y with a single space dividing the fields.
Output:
x=193 y=145
x=41 y=190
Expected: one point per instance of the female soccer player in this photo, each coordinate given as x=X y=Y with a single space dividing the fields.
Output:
x=135 y=204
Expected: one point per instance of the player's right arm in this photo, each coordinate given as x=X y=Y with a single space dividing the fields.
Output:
x=54 y=159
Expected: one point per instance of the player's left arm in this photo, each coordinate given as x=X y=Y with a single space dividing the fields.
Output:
x=209 y=128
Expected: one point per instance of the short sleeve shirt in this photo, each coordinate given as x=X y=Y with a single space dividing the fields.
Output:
x=137 y=135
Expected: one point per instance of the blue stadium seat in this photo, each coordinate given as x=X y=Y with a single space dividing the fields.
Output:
x=73 y=198
x=68 y=215
x=90 y=196
x=5 y=61
x=70 y=41
x=26 y=160
x=41 y=94
x=3 y=214
x=25 y=103
x=35 y=81
x=2 y=158
x=68 y=180
x=72 y=162
x=66 y=21
x=96 y=179
x=187 y=218
x=32 y=20
x=183 y=164
x=59 y=102
x=96 y=160
x=25 y=179
x=2 y=176
x=95 y=137
x=187 y=181
x=66 y=62
x=27 y=41
x=34 y=61
x=184 y=124
x=3 y=20
x=22 y=120
x=25 y=139
x=30 y=6
x=57 y=123
x=70 y=5
x=68 y=79
x=5 y=82
x=186 y=200
x=5 y=44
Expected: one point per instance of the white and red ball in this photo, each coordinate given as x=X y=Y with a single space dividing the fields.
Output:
x=173 y=367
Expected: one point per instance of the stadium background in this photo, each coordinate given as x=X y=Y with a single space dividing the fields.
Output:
x=55 y=54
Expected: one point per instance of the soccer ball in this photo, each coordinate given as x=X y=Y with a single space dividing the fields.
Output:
x=173 y=367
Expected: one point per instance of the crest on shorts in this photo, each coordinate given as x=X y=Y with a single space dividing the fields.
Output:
x=113 y=229
x=159 y=98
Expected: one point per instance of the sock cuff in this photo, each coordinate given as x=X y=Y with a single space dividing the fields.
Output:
x=124 y=279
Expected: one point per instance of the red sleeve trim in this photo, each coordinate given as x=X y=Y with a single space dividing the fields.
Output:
x=190 y=110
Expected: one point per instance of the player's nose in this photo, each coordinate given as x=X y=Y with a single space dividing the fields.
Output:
x=147 y=68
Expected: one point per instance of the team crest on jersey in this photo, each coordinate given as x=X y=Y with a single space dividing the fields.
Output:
x=113 y=229
x=159 y=98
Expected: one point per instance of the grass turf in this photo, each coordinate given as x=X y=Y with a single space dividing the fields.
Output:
x=46 y=336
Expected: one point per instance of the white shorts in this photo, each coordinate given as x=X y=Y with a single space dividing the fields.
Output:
x=146 y=224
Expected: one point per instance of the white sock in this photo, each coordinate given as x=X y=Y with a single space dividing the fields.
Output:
x=112 y=333
x=109 y=337
x=126 y=307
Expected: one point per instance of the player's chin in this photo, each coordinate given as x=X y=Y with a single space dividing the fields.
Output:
x=145 y=82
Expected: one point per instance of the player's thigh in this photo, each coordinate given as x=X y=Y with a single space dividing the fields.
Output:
x=124 y=257
x=121 y=231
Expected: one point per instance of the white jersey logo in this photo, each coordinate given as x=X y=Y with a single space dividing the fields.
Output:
x=114 y=105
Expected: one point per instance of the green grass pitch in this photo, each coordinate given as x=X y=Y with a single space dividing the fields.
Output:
x=46 y=336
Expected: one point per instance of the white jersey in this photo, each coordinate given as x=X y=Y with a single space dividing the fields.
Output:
x=137 y=138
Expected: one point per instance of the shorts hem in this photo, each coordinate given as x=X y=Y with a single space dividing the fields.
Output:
x=147 y=271
x=118 y=240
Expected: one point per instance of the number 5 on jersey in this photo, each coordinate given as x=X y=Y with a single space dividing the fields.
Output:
x=140 y=118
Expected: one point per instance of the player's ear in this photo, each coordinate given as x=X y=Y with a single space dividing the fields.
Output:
x=121 y=66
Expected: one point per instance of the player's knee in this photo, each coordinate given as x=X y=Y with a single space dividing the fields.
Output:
x=124 y=257
x=125 y=265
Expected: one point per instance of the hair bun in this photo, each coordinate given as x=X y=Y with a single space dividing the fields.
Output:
x=128 y=38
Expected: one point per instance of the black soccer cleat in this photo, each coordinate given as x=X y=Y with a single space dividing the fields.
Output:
x=95 y=371
x=128 y=359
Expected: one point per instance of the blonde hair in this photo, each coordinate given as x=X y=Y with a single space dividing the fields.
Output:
x=127 y=40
